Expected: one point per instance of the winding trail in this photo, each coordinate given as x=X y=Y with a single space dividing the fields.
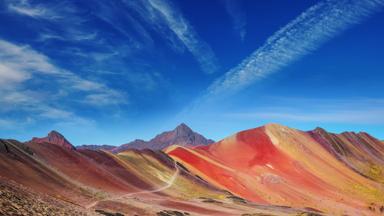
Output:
x=168 y=185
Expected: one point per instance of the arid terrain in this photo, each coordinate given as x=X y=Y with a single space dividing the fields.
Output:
x=270 y=170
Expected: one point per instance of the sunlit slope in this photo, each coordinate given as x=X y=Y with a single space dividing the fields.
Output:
x=360 y=151
x=134 y=182
x=278 y=165
x=175 y=186
x=156 y=167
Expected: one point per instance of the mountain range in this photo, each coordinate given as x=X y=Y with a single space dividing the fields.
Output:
x=182 y=135
x=269 y=170
x=341 y=174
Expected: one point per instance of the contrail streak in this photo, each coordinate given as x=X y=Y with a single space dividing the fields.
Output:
x=306 y=33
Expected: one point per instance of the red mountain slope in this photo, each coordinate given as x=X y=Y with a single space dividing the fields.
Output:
x=133 y=182
x=282 y=166
x=285 y=171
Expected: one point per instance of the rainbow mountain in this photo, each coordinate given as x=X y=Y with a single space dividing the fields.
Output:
x=269 y=170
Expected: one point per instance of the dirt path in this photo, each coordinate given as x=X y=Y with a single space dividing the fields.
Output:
x=168 y=185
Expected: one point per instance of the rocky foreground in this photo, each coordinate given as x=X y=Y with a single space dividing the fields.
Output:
x=18 y=200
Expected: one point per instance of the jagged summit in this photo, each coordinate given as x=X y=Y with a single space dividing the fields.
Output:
x=54 y=134
x=183 y=127
x=56 y=138
x=182 y=135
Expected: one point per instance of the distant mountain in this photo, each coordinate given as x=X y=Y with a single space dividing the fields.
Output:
x=182 y=135
x=54 y=137
x=96 y=147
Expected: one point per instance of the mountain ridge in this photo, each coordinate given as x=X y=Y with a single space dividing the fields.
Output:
x=55 y=138
x=96 y=147
x=274 y=164
x=133 y=182
x=182 y=135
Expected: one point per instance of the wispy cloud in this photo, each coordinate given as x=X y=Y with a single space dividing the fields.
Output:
x=22 y=68
x=163 y=14
x=356 y=111
x=69 y=36
x=301 y=36
x=5 y=123
x=25 y=107
x=352 y=117
x=122 y=35
x=116 y=15
x=110 y=97
x=18 y=63
x=69 y=25
x=37 y=11
x=9 y=76
x=239 y=21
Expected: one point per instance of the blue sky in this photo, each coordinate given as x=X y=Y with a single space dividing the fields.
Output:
x=107 y=72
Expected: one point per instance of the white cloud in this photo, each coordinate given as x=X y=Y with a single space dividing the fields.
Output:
x=23 y=59
x=37 y=11
x=146 y=81
x=70 y=35
x=16 y=97
x=237 y=15
x=162 y=15
x=118 y=18
x=76 y=122
x=68 y=25
x=346 y=116
x=6 y=124
x=352 y=111
x=304 y=34
x=20 y=65
x=85 y=85
x=110 y=97
x=9 y=76
x=54 y=113
x=32 y=12
x=37 y=107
